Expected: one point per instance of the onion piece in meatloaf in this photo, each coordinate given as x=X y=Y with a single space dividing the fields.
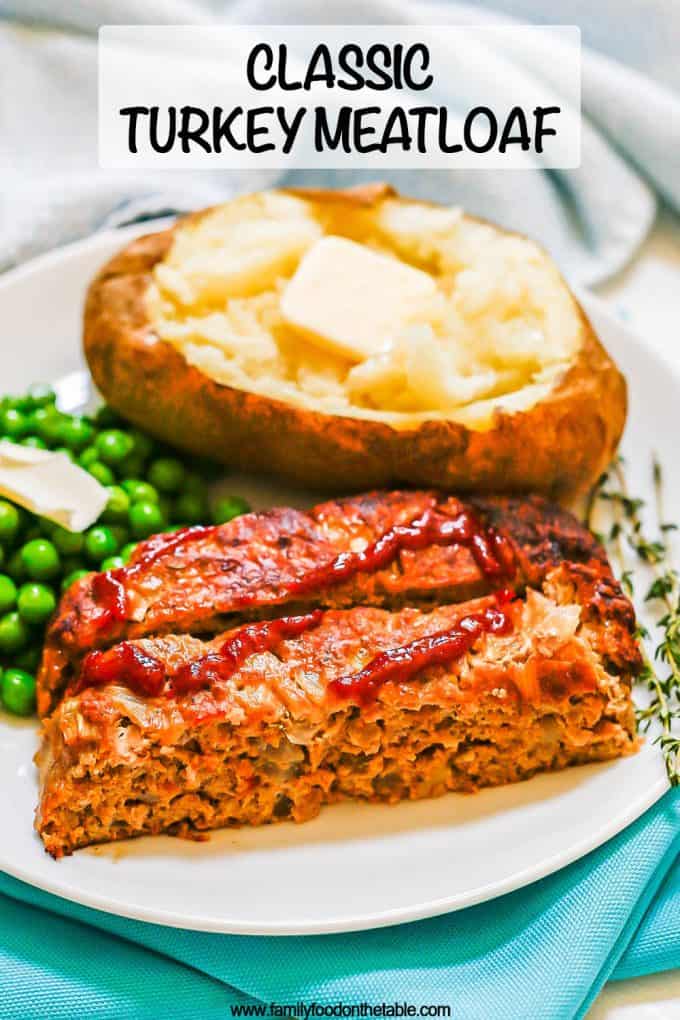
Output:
x=277 y=735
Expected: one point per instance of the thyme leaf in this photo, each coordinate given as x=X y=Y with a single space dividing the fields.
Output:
x=660 y=675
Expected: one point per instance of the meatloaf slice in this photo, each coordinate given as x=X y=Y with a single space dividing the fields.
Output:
x=246 y=569
x=287 y=731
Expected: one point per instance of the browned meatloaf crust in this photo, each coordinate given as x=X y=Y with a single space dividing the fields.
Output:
x=201 y=587
x=275 y=739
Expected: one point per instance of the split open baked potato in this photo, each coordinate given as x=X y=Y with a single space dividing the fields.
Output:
x=494 y=382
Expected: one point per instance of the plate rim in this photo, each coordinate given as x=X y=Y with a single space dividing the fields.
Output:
x=361 y=922
x=383 y=919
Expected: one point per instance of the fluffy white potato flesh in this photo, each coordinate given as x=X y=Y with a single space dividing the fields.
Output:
x=493 y=327
x=240 y=249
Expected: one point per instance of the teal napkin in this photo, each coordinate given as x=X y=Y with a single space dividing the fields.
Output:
x=542 y=952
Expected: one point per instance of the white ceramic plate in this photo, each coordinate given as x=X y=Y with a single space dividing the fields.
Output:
x=356 y=866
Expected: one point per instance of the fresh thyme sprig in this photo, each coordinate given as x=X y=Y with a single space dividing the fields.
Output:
x=664 y=704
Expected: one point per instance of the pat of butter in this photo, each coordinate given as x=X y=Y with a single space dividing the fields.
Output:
x=50 y=485
x=353 y=300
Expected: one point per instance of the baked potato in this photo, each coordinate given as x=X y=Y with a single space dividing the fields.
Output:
x=496 y=381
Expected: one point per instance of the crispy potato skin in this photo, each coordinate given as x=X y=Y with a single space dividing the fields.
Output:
x=557 y=447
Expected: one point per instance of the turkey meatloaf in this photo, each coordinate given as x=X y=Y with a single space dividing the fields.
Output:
x=261 y=564
x=385 y=647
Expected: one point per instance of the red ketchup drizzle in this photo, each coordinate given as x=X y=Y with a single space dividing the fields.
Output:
x=127 y=664
x=246 y=641
x=400 y=664
x=146 y=675
x=492 y=552
x=109 y=592
x=109 y=588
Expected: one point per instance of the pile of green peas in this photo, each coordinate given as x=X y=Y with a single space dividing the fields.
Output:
x=152 y=488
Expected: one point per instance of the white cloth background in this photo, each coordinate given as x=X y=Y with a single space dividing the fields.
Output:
x=592 y=219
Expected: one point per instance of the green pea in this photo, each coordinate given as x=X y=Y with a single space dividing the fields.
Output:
x=28 y=659
x=100 y=543
x=228 y=507
x=117 y=506
x=75 y=575
x=195 y=485
x=114 y=445
x=139 y=491
x=191 y=509
x=69 y=543
x=8 y=593
x=14 y=403
x=18 y=691
x=15 y=566
x=132 y=467
x=102 y=472
x=144 y=445
x=112 y=563
x=88 y=457
x=39 y=416
x=10 y=522
x=127 y=551
x=47 y=423
x=36 y=602
x=77 y=433
x=14 y=424
x=146 y=519
x=40 y=559
x=120 y=533
x=41 y=395
x=36 y=397
x=35 y=442
x=167 y=474
x=14 y=633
